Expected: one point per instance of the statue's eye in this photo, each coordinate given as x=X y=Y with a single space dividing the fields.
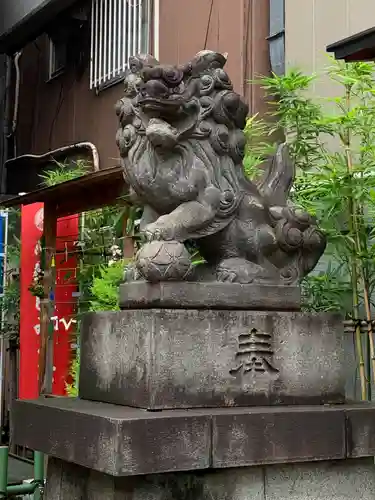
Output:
x=227 y=198
x=179 y=89
x=207 y=83
x=206 y=80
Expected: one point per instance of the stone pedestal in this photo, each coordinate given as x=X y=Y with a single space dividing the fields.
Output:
x=345 y=480
x=164 y=358
x=103 y=451
x=206 y=356
x=180 y=400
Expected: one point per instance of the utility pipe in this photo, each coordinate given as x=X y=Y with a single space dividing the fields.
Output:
x=3 y=471
x=17 y=58
x=79 y=145
x=25 y=488
x=22 y=489
x=7 y=110
x=39 y=473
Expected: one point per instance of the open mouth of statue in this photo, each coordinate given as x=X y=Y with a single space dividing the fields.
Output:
x=167 y=113
x=157 y=97
x=160 y=105
x=166 y=126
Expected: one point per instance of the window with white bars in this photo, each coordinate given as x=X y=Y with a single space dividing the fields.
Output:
x=119 y=29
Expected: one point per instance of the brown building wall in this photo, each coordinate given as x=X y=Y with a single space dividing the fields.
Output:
x=64 y=110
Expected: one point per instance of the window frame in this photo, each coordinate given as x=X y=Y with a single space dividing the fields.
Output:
x=55 y=72
x=109 y=76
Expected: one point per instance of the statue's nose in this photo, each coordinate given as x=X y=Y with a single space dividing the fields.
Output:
x=156 y=88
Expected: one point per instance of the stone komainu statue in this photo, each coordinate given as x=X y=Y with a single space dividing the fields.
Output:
x=182 y=144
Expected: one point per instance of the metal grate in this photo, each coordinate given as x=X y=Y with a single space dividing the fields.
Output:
x=119 y=29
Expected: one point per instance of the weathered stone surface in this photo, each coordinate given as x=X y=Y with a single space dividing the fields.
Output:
x=277 y=435
x=124 y=441
x=111 y=439
x=229 y=485
x=66 y=481
x=165 y=358
x=360 y=431
x=345 y=480
x=236 y=484
x=99 y=486
x=209 y=295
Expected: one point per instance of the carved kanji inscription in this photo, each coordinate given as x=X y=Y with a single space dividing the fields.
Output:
x=254 y=354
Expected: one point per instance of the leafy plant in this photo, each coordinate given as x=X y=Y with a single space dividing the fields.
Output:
x=104 y=289
x=101 y=264
x=64 y=171
x=327 y=291
x=10 y=307
x=72 y=389
x=101 y=269
x=10 y=301
x=333 y=145
x=258 y=148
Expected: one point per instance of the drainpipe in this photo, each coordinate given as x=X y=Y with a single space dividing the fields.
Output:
x=276 y=36
x=7 y=135
x=7 y=127
x=91 y=148
x=16 y=100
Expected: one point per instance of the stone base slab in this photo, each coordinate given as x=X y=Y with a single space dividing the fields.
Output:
x=349 y=479
x=178 y=358
x=122 y=441
x=209 y=295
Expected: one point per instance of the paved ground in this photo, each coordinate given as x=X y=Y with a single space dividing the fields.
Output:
x=18 y=471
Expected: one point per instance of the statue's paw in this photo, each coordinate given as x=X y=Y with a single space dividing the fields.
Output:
x=226 y=275
x=157 y=232
x=237 y=270
x=151 y=234
x=131 y=273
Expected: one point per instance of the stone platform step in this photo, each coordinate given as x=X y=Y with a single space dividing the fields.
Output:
x=125 y=441
x=209 y=295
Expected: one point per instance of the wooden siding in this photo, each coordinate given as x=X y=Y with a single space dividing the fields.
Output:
x=62 y=111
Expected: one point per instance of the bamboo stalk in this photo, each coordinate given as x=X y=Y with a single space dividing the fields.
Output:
x=361 y=362
x=368 y=315
x=369 y=328
x=358 y=334
x=354 y=230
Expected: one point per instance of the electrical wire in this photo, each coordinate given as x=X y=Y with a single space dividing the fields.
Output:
x=36 y=95
x=208 y=24
x=246 y=76
x=60 y=102
x=62 y=95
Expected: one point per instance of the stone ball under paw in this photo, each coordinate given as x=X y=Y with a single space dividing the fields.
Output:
x=163 y=261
